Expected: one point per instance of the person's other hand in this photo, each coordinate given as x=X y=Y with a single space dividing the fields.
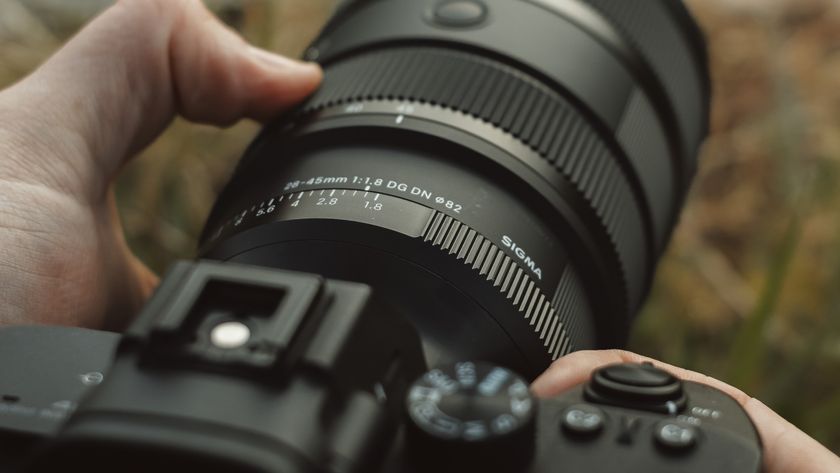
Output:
x=67 y=129
x=786 y=448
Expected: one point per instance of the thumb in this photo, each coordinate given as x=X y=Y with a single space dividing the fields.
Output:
x=116 y=85
x=786 y=448
x=67 y=129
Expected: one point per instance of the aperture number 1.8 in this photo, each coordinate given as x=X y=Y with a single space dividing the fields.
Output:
x=375 y=206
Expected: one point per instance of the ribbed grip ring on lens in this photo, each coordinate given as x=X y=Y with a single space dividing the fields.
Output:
x=555 y=320
x=521 y=106
x=676 y=52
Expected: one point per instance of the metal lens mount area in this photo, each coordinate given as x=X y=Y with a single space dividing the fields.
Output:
x=513 y=207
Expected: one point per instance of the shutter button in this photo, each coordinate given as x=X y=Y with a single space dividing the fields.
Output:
x=460 y=13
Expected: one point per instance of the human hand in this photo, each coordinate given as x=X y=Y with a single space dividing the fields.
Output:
x=786 y=448
x=66 y=130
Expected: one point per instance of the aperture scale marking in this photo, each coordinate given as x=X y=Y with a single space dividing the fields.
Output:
x=393 y=187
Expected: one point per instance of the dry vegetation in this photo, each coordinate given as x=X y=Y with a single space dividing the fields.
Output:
x=749 y=291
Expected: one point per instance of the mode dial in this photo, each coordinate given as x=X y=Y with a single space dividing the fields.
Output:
x=471 y=415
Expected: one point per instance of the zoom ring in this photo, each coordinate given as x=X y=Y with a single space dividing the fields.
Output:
x=519 y=105
x=663 y=33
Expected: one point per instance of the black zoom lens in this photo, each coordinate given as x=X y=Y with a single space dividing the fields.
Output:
x=506 y=173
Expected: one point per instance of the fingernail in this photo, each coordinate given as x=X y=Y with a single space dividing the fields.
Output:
x=276 y=60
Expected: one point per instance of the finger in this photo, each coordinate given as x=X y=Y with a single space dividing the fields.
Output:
x=67 y=129
x=786 y=448
x=116 y=85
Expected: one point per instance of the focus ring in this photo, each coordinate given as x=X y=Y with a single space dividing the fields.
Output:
x=519 y=105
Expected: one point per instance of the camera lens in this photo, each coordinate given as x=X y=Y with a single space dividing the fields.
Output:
x=505 y=173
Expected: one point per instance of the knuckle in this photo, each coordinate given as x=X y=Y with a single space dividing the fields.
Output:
x=156 y=10
x=624 y=356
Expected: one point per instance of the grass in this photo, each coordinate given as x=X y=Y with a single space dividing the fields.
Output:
x=748 y=290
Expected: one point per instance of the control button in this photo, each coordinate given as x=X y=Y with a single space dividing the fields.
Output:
x=583 y=420
x=675 y=436
x=460 y=13
x=637 y=386
x=628 y=428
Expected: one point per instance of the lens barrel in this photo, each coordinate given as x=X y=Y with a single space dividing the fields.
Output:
x=507 y=173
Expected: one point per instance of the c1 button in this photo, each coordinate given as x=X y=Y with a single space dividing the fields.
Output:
x=674 y=435
x=460 y=13
x=583 y=420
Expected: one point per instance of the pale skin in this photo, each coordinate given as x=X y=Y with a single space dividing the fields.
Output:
x=68 y=128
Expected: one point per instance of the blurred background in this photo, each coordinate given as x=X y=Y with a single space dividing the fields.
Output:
x=749 y=291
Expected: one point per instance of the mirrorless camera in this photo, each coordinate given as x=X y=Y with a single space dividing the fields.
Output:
x=479 y=188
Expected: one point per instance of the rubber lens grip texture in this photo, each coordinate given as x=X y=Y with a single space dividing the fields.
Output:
x=519 y=105
x=664 y=34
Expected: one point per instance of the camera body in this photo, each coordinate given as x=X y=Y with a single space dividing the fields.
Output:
x=238 y=368
x=498 y=179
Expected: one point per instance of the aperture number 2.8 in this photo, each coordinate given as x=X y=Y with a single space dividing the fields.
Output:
x=327 y=201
